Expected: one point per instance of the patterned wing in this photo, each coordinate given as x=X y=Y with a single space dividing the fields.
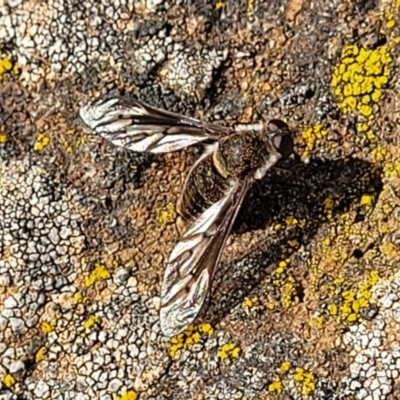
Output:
x=190 y=269
x=140 y=127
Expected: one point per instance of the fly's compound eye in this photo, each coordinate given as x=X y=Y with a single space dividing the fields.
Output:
x=280 y=136
x=284 y=144
x=277 y=126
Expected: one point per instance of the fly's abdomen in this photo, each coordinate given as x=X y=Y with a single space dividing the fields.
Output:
x=204 y=187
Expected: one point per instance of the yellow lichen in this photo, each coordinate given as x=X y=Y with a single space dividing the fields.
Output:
x=285 y=366
x=276 y=386
x=370 y=135
x=40 y=354
x=219 y=5
x=166 y=215
x=206 y=328
x=390 y=24
x=379 y=153
x=249 y=303
x=392 y=169
x=91 y=321
x=41 y=142
x=388 y=249
x=329 y=204
x=316 y=323
x=306 y=381
x=229 y=350
x=333 y=309
x=311 y=137
x=362 y=127
x=299 y=374
x=9 y=380
x=47 y=327
x=130 y=395
x=282 y=266
x=391 y=18
x=308 y=386
x=99 y=273
x=78 y=297
x=250 y=7
x=68 y=147
x=80 y=141
x=191 y=336
x=359 y=76
x=5 y=66
x=354 y=300
x=338 y=281
x=3 y=138
x=367 y=200
x=291 y=220
x=288 y=291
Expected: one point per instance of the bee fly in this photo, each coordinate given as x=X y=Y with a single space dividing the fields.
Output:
x=213 y=193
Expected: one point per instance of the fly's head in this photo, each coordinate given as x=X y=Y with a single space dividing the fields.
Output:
x=280 y=143
x=280 y=137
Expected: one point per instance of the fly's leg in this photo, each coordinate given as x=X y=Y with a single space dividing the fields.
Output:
x=290 y=170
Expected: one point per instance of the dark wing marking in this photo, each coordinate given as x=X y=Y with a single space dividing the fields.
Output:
x=140 y=127
x=190 y=269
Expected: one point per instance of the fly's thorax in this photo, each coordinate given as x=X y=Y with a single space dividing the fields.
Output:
x=239 y=154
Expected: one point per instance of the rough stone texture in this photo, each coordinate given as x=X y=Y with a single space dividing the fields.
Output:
x=305 y=302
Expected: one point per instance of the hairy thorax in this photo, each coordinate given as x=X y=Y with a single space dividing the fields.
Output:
x=232 y=158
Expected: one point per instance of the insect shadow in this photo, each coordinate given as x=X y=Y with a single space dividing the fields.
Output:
x=305 y=194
